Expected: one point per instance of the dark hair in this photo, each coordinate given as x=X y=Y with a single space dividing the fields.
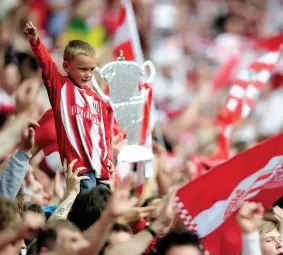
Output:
x=33 y=208
x=149 y=200
x=122 y=228
x=178 y=238
x=46 y=238
x=88 y=207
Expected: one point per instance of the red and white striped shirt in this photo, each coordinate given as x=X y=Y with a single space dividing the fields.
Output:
x=80 y=115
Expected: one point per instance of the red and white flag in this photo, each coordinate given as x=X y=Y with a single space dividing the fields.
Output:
x=126 y=35
x=253 y=175
x=243 y=96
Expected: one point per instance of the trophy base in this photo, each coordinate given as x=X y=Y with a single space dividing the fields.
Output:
x=134 y=153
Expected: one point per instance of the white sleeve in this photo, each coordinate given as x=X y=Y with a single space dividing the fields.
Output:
x=251 y=244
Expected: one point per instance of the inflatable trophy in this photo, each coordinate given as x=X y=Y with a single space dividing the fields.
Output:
x=130 y=98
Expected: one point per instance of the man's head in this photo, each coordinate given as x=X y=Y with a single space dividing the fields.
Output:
x=179 y=243
x=270 y=239
x=10 y=218
x=52 y=236
x=79 y=61
x=119 y=234
x=90 y=205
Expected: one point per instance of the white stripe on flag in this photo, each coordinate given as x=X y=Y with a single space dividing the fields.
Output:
x=245 y=75
x=232 y=104
x=133 y=31
x=269 y=58
x=252 y=92
x=246 y=111
x=228 y=131
x=237 y=91
x=263 y=76
x=122 y=34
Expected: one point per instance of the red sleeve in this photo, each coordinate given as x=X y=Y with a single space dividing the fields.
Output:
x=107 y=118
x=52 y=78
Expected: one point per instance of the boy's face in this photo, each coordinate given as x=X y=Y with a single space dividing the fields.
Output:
x=80 y=69
x=271 y=243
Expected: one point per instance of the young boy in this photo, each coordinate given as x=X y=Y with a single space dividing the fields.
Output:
x=82 y=125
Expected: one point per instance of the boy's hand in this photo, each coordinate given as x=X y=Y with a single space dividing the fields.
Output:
x=110 y=166
x=278 y=213
x=31 y=31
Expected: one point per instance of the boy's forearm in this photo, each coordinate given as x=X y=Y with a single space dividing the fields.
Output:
x=44 y=59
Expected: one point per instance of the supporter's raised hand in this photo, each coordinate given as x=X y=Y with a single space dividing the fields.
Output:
x=120 y=201
x=58 y=187
x=32 y=223
x=136 y=214
x=167 y=212
x=72 y=178
x=278 y=214
x=30 y=31
x=117 y=144
x=249 y=216
x=27 y=140
x=35 y=190
x=158 y=149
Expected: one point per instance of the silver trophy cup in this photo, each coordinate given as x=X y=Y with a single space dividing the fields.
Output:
x=127 y=100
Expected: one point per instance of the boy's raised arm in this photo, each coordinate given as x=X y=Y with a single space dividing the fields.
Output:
x=42 y=56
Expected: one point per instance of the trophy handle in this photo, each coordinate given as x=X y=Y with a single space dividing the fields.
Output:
x=152 y=70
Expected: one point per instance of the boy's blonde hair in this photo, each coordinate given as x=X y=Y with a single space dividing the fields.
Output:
x=78 y=47
x=266 y=227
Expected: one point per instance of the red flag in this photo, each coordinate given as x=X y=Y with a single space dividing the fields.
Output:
x=271 y=43
x=225 y=72
x=253 y=175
